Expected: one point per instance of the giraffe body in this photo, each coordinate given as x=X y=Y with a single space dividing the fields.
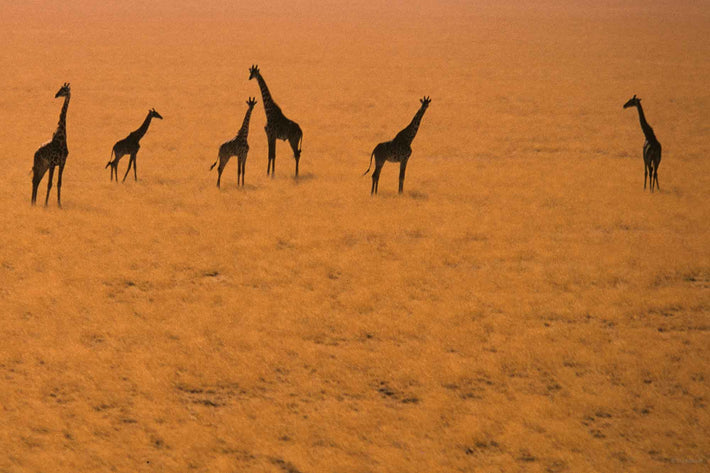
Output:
x=53 y=153
x=237 y=147
x=651 y=147
x=130 y=146
x=398 y=150
x=278 y=127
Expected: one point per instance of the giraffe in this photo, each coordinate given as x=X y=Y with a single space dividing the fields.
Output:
x=277 y=125
x=237 y=147
x=651 y=147
x=398 y=150
x=53 y=153
x=130 y=145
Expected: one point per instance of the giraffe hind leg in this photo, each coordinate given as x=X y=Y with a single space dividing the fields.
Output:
x=376 y=176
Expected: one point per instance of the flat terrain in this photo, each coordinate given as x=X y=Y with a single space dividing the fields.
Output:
x=524 y=305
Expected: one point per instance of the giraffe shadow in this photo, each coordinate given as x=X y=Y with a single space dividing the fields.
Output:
x=417 y=195
x=303 y=177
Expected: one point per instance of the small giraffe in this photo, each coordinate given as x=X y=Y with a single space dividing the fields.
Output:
x=651 y=147
x=237 y=147
x=53 y=153
x=398 y=150
x=277 y=125
x=130 y=145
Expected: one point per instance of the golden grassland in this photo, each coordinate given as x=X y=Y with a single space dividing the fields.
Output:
x=524 y=306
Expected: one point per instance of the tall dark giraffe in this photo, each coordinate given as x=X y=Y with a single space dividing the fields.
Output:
x=237 y=147
x=277 y=125
x=53 y=153
x=651 y=147
x=398 y=150
x=130 y=145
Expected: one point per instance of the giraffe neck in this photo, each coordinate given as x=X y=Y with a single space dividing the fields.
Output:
x=61 y=133
x=244 y=130
x=407 y=135
x=269 y=106
x=647 y=130
x=144 y=127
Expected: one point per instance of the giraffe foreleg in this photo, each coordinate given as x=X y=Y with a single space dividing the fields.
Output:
x=271 y=166
x=402 y=169
x=37 y=175
x=135 y=167
x=49 y=184
x=131 y=162
x=59 y=185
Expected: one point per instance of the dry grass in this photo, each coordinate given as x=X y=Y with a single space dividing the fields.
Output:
x=524 y=306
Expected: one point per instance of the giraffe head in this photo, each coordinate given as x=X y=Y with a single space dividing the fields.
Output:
x=253 y=71
x=65 y=91
x=633 y=102
x=425 y=102
x=251 y=102
x=155 y=114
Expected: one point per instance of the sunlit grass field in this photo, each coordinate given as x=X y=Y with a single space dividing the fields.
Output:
x=524 y=305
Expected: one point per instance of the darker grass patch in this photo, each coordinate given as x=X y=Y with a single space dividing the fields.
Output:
x=210 y=396
x=285 y=466
x=388 y=392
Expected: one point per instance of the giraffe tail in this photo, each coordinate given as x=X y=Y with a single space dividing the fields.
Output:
x=213 y=165
x=368 y=167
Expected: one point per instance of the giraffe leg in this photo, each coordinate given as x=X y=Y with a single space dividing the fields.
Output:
x=36 y=179
x=240 y=171
x=35 y=184
x=655 y=176
x=130 y=163
x=402 y=169
x=135 y=167
x=645 y=175
x=59 y=185
x=272 y=156
x=376 y=177
x=244 y=169
x=293 y=141
x=219 y=174
x=49 y=184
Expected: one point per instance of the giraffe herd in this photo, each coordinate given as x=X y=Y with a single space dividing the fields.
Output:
x=54 y=153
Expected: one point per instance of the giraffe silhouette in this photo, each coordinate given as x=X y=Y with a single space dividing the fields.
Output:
x=398 y=150
x=237 y=147
x=277 y=125
x=130 y=145
x=53 y=153
x=651 y=147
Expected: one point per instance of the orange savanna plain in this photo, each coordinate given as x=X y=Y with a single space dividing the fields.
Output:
x=524 y=305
